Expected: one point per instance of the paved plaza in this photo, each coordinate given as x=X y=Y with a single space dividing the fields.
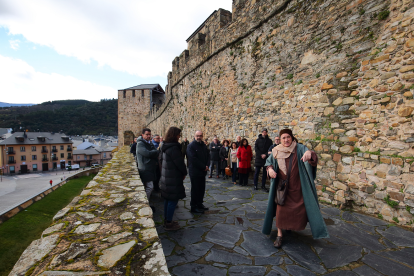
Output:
x=227 y=240
x=17 y=188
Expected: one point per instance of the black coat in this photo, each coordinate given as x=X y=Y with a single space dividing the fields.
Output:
x=198 y=158
x=133 y=149
x=224 y=153
x=173 y=170
x=261 y=146
x=215 y=151
x=272 y=147
x=184 y=146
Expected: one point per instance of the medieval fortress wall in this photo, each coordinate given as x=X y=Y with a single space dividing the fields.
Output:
x=339 y=73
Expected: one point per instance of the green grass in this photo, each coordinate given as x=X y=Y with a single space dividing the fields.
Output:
x=17 y=233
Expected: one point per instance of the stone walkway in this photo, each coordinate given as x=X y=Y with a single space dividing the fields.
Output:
x=228 y=240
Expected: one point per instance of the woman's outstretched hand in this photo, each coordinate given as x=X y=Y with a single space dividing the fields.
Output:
x=272 y=173
x=306 y=156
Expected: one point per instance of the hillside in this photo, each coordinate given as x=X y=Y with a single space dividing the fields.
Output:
x=3 y=104
x=71 y=116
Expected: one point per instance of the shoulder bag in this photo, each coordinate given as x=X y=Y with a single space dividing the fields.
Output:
x=282 y=187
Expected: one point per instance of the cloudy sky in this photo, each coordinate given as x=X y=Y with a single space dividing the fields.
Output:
x=88 y=49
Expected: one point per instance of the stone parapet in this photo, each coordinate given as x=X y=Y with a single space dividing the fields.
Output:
x=107 y=230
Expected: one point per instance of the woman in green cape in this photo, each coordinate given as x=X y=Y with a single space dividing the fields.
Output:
x=301 y=201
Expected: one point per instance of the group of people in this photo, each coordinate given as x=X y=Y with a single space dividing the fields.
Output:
x=289 y=164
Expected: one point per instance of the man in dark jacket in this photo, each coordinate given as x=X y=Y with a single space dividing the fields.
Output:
x=238 y=140
x=147 y=158
x=199 y=159
x=261 y=147
x=134 y=148
x=184 y=146
x=215 y=147
x=277 y=142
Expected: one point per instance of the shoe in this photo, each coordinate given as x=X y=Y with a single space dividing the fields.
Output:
x=234 y=183
x=255 y=188
x=171 y=226
x=218 y=176
x=197 y=211
x=202 y=207
x=278 y=242
x=264 y=189
x=209 y=176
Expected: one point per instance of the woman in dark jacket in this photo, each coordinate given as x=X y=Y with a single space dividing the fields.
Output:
x=224 y=157
x=173 y=173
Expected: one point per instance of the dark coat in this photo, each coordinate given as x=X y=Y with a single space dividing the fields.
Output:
x=223 y=155
x=147 y=158
x=198 y=158
x=133 y=149
x=245 y=155
x=184 y=146
x=261 y=146
x=307 y=175
x=215 y=151
x=173 y=170
x=272 y=147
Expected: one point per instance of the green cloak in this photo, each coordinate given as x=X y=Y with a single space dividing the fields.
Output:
x=307 y=175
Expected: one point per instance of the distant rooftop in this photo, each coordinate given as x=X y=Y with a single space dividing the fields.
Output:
x=36 y=138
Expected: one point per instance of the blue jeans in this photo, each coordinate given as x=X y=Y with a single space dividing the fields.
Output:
x=234 y=171
x=216 y=164
x=169 y=208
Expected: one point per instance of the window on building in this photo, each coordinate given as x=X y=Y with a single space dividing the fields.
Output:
x=104 y=154
x=22 y=149
x=10 y=150
x=69 y=156
x=35 y=167
x=11 y=159
x=90 y=157
x=44 y=158
x=33 y=148
x=34 y=157
x=23 y=157
x=142 y=93
x=86 y=158
x=62 y=155
x=61 y=147
x=133 y=93
x=12 y=169
x=69 y=163
x=124 y=94
x=78 y=157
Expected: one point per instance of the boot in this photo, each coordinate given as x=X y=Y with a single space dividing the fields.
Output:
x=171 y=226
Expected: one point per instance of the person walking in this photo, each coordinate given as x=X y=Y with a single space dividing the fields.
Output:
x=215 y=147
x=245 y=156
x=199 y=159
x=293 y=166
x=233 y=162
x=147 y=158
x=277 y=142
x=173 y=173
x=184 y=145
x=224 y=157
x=261 y=146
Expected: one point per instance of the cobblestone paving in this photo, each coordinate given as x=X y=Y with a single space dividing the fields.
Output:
x=227 y=240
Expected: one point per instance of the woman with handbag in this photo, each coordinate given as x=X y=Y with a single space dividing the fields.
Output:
x=245 y=156
x=233 y=162
x=224 y=156
x=292 y=169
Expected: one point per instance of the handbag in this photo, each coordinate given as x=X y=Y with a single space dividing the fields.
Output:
x=282 y=187
x=228 y=171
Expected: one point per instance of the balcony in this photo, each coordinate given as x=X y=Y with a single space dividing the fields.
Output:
x=69 y=149
x=45 y=159
x=54 y=150
x=11 y=162
x=54 y=158
x=11 y=152
x=70 y=157
x=45 y=151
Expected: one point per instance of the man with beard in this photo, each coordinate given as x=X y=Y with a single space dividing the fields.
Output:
x=199 y=160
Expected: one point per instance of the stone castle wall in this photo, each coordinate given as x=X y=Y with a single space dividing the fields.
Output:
x=131 y=113
x=339 y=73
